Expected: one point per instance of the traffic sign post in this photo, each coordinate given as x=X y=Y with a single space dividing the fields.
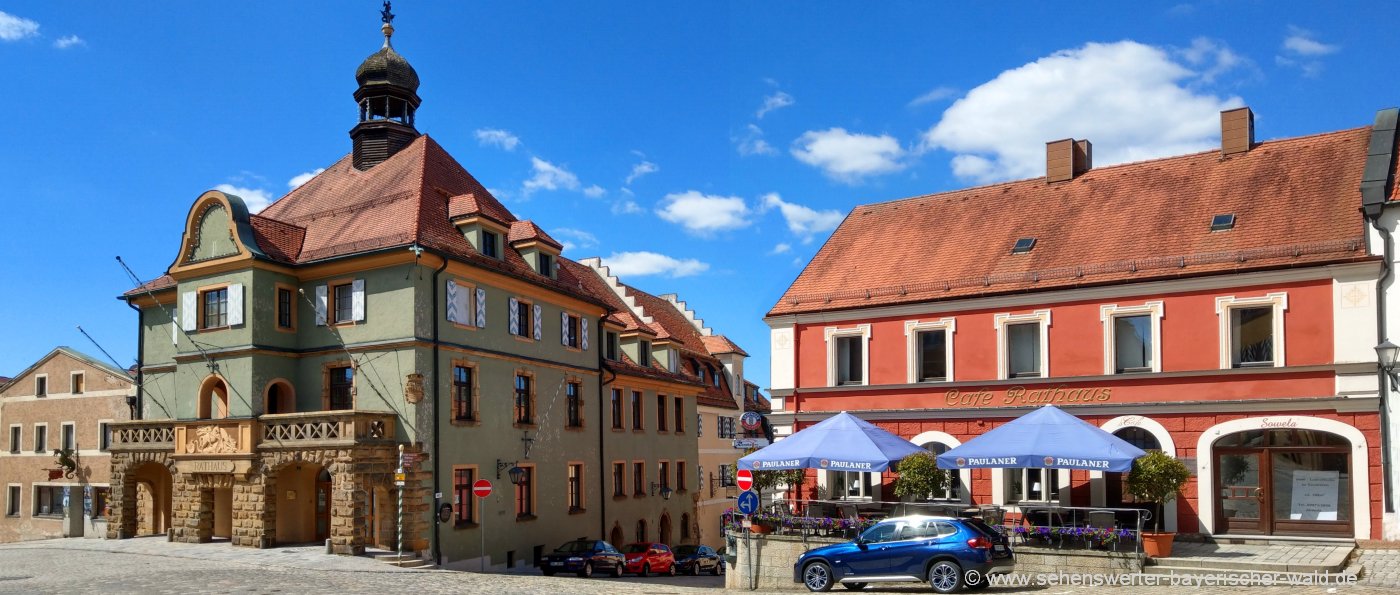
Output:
x=481 y=489
x=744 y=479
x=748 y=502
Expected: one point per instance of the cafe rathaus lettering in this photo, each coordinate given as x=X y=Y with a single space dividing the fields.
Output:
x=1019 y=395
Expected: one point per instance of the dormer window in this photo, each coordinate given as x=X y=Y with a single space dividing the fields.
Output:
x=490 y=244
x=644 y=353
x=1222 y=222
x=545 y=264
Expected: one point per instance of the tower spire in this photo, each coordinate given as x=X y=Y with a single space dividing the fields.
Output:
x=388 y=100
x=387 y=15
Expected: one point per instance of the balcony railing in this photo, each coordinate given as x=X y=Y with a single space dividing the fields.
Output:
x=326 y=428
x=143 y=435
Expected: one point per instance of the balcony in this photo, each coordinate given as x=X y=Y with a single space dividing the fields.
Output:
x=326 y=429
x=143 y=436
x=215 y=437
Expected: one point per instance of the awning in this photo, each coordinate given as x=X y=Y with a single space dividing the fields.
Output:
x=1047 y=438
x=842 y=442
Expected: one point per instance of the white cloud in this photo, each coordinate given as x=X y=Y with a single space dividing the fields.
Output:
x=549 y=176
x=1302 y=43
x=752 y=143
x=640 y=264
x=68 y=41
x=781 y=248
x=627 y=207
x=641 y=169
x=497 y=137
x=847 y=156
x=256 y=199
x=13 y=28
x=1212 y=58
x=935 y=94
x=574 y=238
x=594 y=191
x=803 y=221
x=778 y=100
x=704 y=214
x=1131 y=100
x=303 y=178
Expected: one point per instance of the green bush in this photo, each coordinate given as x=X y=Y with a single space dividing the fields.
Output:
x=919 y=476
x=1158 y=478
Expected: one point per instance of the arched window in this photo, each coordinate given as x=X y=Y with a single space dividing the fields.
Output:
x=641 y=530
x=213 y=399
x=280 y=398
x=1139 y=437
x=952 y=490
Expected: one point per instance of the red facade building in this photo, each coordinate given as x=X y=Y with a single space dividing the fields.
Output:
x=1219 y=306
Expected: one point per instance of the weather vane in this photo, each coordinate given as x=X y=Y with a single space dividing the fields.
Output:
x=385 y=15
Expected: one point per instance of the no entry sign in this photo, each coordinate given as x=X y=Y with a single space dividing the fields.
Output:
x=481 y=488
x=744 y=478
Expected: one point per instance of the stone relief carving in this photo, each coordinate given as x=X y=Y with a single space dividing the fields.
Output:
x=212 y=440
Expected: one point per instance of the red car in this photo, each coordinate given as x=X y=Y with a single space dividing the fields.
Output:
x=646 y=558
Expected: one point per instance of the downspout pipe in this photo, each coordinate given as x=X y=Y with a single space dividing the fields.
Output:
x=603 y=466
x=139 y=405
x=437 y=406
x=1384 y=376
x=1376 y=182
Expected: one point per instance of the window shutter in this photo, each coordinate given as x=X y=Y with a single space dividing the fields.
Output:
x=451 y=301
x=583 y=333
x=174 y=327
x=357 y=300
x=564 y=328
x=188 y=309
x=539 y=324
x=235 y=304
x=480 y=307
x=320 y=305
x=514 y=316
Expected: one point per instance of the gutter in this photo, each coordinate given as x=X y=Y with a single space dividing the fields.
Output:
x=1376 y=183
x=603 y=466
x=138 y=405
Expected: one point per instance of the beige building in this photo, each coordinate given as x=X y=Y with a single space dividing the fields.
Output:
x=63 y=403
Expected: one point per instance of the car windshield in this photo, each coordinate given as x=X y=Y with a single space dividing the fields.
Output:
x=879 y=533
x=635 y=548
x=574 y=547
x=685 y=550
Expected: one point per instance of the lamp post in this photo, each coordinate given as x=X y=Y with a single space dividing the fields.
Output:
x=1386 y=355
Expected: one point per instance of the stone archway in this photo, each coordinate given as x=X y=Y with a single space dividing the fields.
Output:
x=302 y=496
x=141 y=496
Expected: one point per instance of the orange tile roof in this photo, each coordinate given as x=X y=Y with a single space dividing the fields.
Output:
x=154 y=285
x=1295 y=201
x=717 y=344
x=523 y=231
x=467 y=205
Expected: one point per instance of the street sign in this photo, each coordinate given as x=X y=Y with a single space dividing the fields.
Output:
x=744 y=479
x=748 y=502
x=481 y=488
x=400 y=477
x=747 y=443
x=751 y=420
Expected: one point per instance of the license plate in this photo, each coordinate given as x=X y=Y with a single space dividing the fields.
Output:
x=556 y=563
x=1000 y=549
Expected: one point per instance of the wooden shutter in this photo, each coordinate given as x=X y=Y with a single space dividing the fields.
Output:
x=514 y=316
x=539 y=324
x=564 y=328
x=174 y=327
x=583 y=333
x=357 y=300
x=235 y=304
x=320 y=305
x=480 y=307
x=451 y=301
x=189 y=309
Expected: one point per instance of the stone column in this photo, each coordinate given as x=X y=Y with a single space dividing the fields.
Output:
x=193 y=520
x=254 y=512
x=123 y=524
x=348 y=508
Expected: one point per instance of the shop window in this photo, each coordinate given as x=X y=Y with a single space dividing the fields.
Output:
x=952 y=488
x=1032 y=485
x=48 y=501
x=617 y=409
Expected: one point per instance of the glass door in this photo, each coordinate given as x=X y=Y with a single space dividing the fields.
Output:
x=1243 y=493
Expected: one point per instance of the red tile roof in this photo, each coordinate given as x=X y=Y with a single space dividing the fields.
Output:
x=154 y=285
x=279 y=241
x=717 y=344
x=524 y=231
x=1295 y=201
x=467 y=205
x=595 y=286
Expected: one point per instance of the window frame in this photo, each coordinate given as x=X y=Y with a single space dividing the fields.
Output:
x=833 y=337
x=290 y=311
x=573 y=331
x=612 y=346
x=644 y=353
x=726 y=475
x=573 y=400
x=868 y=484
x=639 y=423
x=662 y=414
x=1061 y=479
x=680 y=476
x=619 y=478
x=14 y=500
x=528 y=407
x=41 y=438
x=544 y=264
x=68 y=430
x=525 y=502
x=55 y=499
x=202 y=303
x=16 y=439
x=1004 y=320
x=333 y=302
x=330 y=386
x=639 y=478
x=619 y=421
x=1108 y=315
x=77 y=382
x=473 y=393
x=912 y=329
x=41 y=379
x=464 y=492
x=490 y=244
x=104 y=435
x=575 y=495
x=524 y=320
x=663 y=475
x=1224 y=307
x=678 y=404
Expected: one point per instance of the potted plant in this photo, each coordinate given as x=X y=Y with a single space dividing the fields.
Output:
x=919 y=477
x=1157 y=478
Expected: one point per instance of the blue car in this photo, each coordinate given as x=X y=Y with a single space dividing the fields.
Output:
x=584 y=556
x=950 y=554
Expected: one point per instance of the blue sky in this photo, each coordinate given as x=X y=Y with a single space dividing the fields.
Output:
x=704 y=150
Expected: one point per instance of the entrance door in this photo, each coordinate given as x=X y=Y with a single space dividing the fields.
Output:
x=1243 y=494
x=323 y=506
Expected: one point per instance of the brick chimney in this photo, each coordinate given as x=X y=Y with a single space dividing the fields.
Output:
x=1067 y=158
x=1236 y=131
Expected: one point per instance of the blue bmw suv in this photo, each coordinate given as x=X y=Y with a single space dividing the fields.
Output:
x=949 y=553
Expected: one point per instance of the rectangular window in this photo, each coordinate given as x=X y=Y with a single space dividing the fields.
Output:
x=284 y=307
x=850 y=360
x=489 y=244
x=48 y=501
x=610 y=346
x=546 y=264
x=215 y=308
x=525 y=494
x=462 y=480
x=680 y=476
x=575 y=487
x=639 y=477
x=101 y=496
x=77 y=380
x=524 y=407
x=1032 y=485
x=104 y=436
x=462 y=409
x=680 y=415
x=522 y=319
x=933 y=356
x=1132 y=344
x=41 y=438
x=637 y=410
x=69 y=437
x=619 y=479
x=15 y=433
x=575 y=406
x=41 y=386
x=849 y=485
x=726 y=475
x=617 y=409
x=1252 y=337
x=661 y=413
x=1023 y=350
x=343 y=307
x=12 y=501
x=571 y=331
x=664 y=470
x=644 y=353
x=342 y=394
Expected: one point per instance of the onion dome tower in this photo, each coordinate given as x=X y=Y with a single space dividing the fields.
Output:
x=388 y=99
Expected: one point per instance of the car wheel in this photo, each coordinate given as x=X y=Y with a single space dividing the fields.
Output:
x=719 y=568
x=945 y=576
x=646 y=569
x=817 y=577
x=854 y=586
x=617 y=570
x=587 y=571
x=695 y=568
x=672 y=570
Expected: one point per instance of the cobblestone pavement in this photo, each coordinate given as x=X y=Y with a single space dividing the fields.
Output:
x=1382 y=567
x=155 y=566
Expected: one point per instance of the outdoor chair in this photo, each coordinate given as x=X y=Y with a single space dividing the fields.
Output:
x=1100 y=521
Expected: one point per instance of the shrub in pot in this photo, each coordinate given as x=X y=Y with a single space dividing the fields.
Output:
x=1158 y=478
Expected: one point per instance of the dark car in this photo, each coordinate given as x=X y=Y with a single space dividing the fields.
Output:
x=584 y=556
x=695 y=559
x=645 y=558
x=948 y=553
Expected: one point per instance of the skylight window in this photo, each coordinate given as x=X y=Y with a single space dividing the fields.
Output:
x=1222 y=222
x=1023 y=246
